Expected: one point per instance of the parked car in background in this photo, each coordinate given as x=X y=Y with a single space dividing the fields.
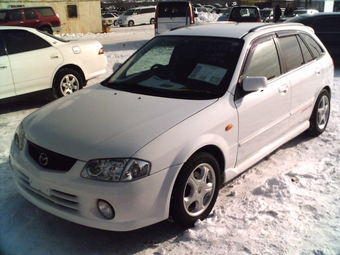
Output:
x=32 y=60
x=298 y=12
x=303 y=11
x=110 y=19
x=198 y=10
x=172 y=14
x=245 y=14
x=267 y=14
x=43 y=18
x=209 y=7
x=327 y=27
x=137 y=16
x=189 y=111
x=225 y=15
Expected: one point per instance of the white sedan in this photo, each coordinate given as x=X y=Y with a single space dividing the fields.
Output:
x=31 y=60
x=158 y=138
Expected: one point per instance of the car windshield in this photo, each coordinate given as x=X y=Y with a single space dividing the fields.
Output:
x=179 y=67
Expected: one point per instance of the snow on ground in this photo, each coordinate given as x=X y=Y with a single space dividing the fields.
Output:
x=289 y=203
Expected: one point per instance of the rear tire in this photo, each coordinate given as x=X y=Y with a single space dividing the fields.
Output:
x=195 y=190
x=67 y=81
x=152 y=21
x=46 y=29
x=320 y=116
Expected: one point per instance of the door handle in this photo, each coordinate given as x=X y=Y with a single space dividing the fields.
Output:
x=283 y=89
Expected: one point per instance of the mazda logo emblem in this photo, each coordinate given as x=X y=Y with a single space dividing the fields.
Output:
x=43 y=159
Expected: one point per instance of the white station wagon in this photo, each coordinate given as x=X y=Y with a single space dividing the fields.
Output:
x=189 y=111
x=31 y=60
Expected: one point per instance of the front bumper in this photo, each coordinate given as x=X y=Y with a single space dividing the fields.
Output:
x=56 y=28
x=65 y=194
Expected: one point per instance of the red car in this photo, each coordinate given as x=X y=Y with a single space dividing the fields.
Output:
x=43 y=18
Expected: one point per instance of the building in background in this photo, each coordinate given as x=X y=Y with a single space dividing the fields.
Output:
x=80 y=16
x=84 y=16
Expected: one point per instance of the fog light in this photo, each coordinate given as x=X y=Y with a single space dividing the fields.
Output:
x=106 y=209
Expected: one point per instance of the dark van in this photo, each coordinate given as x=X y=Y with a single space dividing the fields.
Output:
x=171 y=14
x=43 y=18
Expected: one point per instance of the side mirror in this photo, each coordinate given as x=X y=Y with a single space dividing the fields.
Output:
x=254 y=83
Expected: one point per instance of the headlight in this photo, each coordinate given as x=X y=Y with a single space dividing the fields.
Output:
x=19 y=136
x=116 y=170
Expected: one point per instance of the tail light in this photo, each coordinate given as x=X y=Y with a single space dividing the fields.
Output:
x=156 y=18
x=101 y=51
x=192 y=16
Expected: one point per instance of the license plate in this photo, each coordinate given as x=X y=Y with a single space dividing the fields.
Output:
x=35 y=185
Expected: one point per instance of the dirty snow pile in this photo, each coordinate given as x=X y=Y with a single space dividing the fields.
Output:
x=289 y=203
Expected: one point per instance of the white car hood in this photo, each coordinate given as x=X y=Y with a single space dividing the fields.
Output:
x=98 y=122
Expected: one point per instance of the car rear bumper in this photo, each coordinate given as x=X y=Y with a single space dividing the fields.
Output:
x=56 y=28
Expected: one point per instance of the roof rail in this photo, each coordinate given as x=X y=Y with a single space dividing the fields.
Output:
x=264 y=26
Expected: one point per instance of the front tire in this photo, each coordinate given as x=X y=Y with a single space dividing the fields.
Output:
x=131 y=23
x=320 y=116
x=67 y=81
x=195 y=190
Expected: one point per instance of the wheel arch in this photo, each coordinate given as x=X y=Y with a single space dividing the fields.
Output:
x=70 y=66
x=328 y=88
x=216 y=152
x=48 y=26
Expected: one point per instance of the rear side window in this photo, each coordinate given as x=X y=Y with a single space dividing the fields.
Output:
x=46 y=12
x=148 y=10
x=307 y=56
x=314 y=47
x=291 y=51
x=173 y=9
x=18 y=41
x=262 y=60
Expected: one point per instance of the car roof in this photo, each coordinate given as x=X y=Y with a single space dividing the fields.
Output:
x=17 y=27
x=230 y=29
x=246 y=6
x=312 y=16
x=27 y=7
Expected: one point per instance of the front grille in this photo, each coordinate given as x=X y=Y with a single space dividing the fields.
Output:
x=49 y=159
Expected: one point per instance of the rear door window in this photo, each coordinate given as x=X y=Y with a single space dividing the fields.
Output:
x=291 y=51
x=30 y=14
x=15 y=15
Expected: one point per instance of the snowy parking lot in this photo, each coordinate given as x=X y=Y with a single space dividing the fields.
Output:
x=289 y=203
